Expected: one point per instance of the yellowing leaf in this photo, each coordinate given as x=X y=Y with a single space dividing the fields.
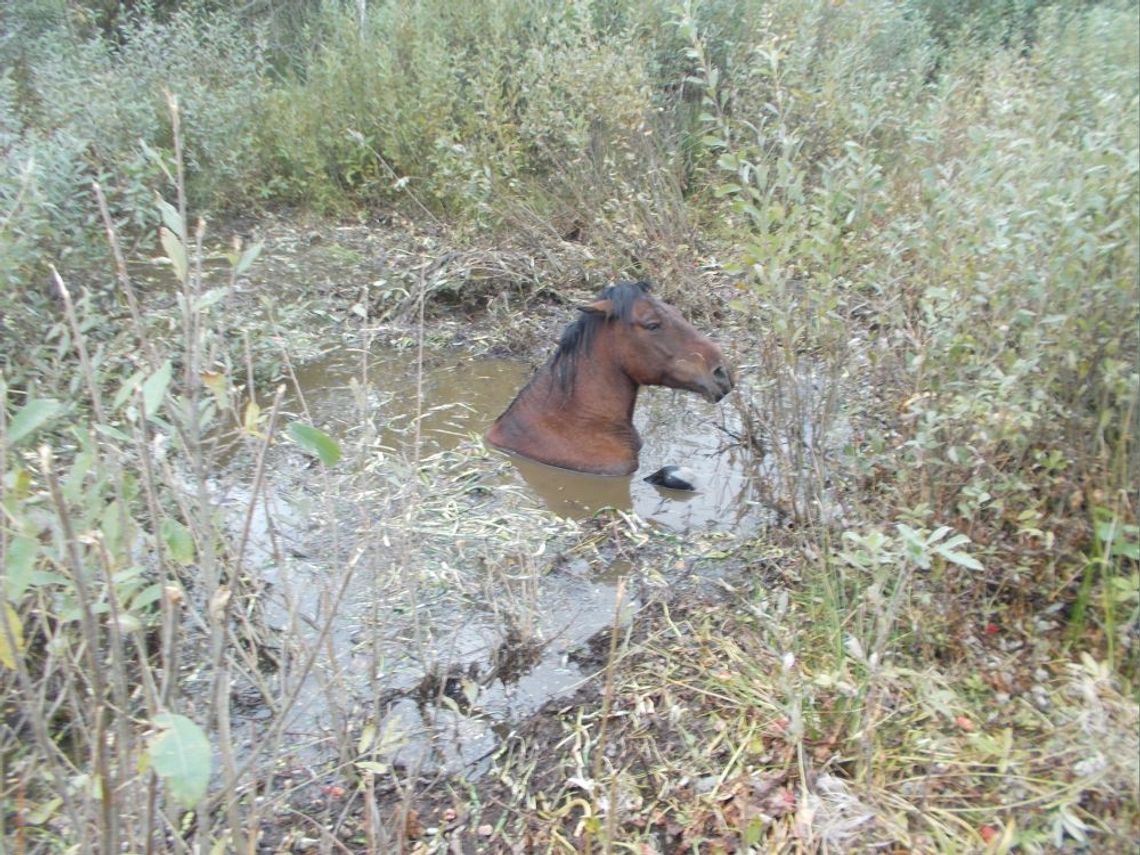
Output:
x=215 y=381
x=373 y=767
x=252 y=414
x=367 y=737
x=7 y=652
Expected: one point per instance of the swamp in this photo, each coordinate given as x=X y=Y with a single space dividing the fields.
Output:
x=269 y=272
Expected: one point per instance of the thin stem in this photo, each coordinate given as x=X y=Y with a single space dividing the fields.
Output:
x=92 y=644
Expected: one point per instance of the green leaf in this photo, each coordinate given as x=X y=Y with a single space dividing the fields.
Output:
x=31 y=417
x=960 y=558
x=19 y=563
x=939 y=533
x=180 y=755
x=111 y=523
x=178 y=541
x=210 y=298
x=956 y=541
x=315 y=442
x=170 y=216
x=154 y=389
x=1126 y=549
x=127 y=390
x=1118 y=538
x=754 y=831
x=248 y=258
x=176 y=252
x=112 y=433
x=147 y=597
x=128 y=580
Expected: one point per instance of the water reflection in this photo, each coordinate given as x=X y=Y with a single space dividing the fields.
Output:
x=573 y=494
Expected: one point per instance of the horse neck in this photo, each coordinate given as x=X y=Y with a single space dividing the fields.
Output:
x=603 y=393
x=586 y=426
x=600 y=396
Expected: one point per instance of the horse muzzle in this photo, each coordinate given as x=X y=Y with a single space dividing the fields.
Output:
x=716 y=384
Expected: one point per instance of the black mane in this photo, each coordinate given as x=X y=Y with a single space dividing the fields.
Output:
x=578 y=336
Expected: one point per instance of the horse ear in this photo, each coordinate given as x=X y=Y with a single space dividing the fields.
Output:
x=599 y=307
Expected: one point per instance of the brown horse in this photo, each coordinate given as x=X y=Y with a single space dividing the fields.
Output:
x=577 y=410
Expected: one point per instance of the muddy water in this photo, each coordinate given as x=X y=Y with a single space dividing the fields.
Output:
x=389 y=626
x=462 y=397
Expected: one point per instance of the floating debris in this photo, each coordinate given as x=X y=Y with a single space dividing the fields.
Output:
x=674 y=478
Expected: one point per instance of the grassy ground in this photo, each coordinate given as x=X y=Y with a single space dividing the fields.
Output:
x=914 y=226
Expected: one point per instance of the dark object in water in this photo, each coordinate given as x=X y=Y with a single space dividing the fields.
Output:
x=674 y=477
x=577 y=410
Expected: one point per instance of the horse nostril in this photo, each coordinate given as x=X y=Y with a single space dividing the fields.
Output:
x=722 y=376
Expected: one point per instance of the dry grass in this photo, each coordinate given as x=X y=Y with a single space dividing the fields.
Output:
x=718 y=738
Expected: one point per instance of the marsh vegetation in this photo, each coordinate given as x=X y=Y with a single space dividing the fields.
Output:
x=268 y=273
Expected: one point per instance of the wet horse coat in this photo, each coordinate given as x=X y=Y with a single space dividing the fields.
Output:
x=577 y=410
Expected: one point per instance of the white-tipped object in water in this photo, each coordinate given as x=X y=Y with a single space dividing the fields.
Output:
x=674 y=478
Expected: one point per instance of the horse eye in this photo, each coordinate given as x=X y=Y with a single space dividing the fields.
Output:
x=653 y=325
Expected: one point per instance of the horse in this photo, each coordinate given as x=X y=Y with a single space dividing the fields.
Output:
x=577 y=410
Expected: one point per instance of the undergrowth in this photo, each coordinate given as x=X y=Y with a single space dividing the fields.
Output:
x=918 y=227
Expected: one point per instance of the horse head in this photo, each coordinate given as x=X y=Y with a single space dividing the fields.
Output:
x=656 y=346
x=577 y=410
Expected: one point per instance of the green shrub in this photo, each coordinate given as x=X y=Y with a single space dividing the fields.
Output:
x=984 y=218
x=79 y=109
x=451 y=103
x=367 y=112
x=1026 y=292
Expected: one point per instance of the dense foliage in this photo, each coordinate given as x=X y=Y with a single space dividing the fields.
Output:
x=932 y=206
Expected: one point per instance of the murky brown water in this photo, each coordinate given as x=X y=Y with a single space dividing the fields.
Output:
x=462 y=397
x=453 y=582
